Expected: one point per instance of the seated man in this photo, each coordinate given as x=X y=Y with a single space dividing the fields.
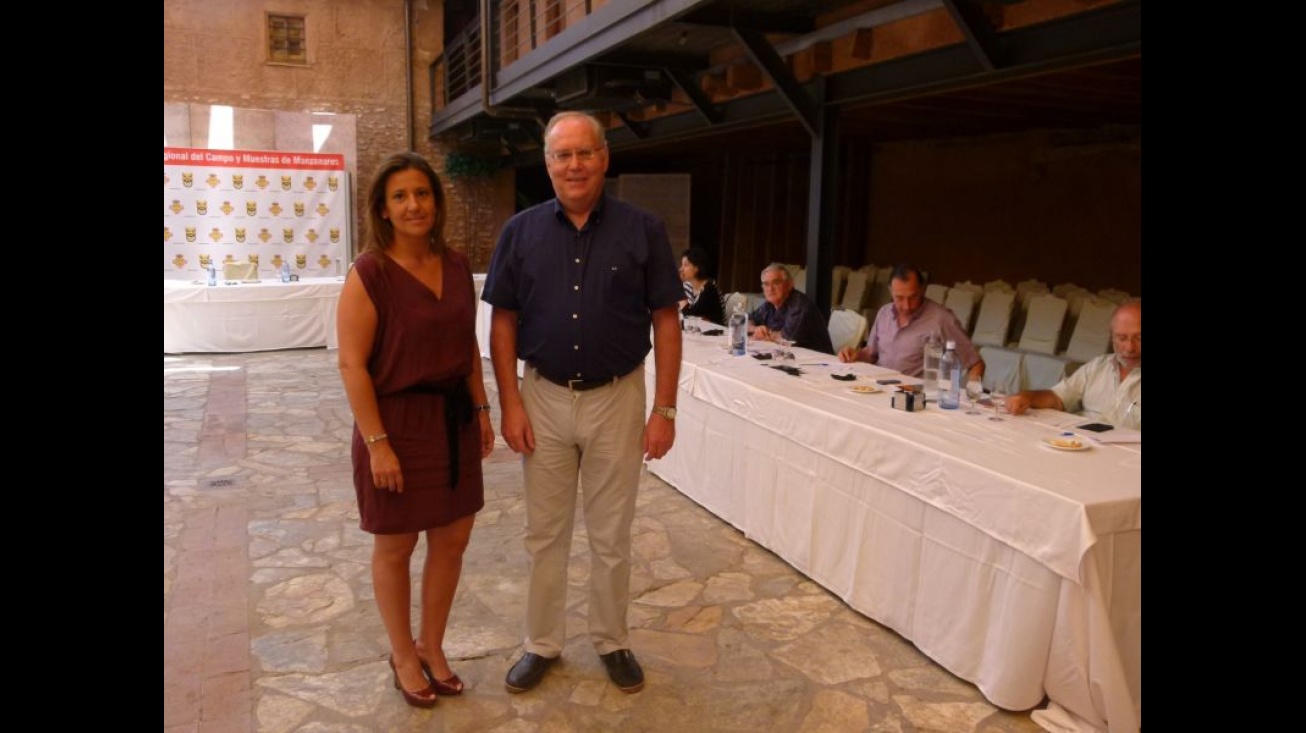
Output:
x=789 y=313
x=898 y=335
x=1108 y=388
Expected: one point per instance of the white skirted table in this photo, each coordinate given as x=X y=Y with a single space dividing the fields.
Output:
x=1014 y=565
x=254 y=316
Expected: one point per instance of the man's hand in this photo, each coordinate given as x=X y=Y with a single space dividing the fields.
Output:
x=1019 y=402
x=516 y=429
x=849 y=353
x=659 y=435
x=762 y=333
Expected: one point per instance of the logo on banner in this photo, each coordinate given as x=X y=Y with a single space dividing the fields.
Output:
x=322 y=209
x=285 y=183
x=276 y=261
x=299 y=208
x=264 y=235
x=187 y=179
x=176 y=206
x=167 y=234
x=311 y=236
x=275 y=208
x=227 y=208
x=301 y=261
x=288 y=234
x=204 y=260
x=333 y=182
x=335 y=235
x=179 y=262
x=254 y=258
x=238 y=180
x=309 y=183
x=229 y=259
x=216 y=234
x=324 y=262
x=190 y=234
x=261 y=181
x=240 y=234
x=251 y=208
x=213 y=180
x=201 y=206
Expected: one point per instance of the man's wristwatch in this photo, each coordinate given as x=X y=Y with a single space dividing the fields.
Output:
x=667 y=412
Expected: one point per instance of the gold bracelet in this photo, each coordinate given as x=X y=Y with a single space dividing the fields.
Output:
x=375 y=438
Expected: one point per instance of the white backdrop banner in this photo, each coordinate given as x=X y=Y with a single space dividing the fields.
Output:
x=256 y=206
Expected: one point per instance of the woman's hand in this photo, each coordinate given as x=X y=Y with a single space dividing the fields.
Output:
x=385 y=467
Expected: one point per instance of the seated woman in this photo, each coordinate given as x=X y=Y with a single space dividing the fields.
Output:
x=702 y=299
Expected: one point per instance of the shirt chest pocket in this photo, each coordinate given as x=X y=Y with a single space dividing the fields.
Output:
x=623 y=285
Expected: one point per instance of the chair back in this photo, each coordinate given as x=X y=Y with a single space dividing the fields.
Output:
x=937 y=293
x=1000 y=285
x=800 y=279
x=847 y=329
x=1092 y=336
x=962 y=304
x=838 y=279
x=855 y=292
x=1043 y=324
x=731 y=299
x=1113 y=295
x=994 y=318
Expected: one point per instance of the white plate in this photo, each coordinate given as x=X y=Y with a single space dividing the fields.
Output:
x=1052 y=443
x=864 y=389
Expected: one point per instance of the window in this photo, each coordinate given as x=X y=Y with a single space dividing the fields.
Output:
x=286 y=39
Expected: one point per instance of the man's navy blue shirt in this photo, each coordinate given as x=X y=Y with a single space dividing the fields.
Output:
x=584 y=298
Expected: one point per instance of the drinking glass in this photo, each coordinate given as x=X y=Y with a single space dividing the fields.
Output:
x=999 y=399
x=786 y=351
x=974 y=391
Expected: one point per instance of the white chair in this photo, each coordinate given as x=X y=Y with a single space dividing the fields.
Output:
x=968 y=285
x=800 y=279
x=1004 y=367
x=1092 y=336
x=855 y=292
x=240 y=270
x=847 y=329
x=1033 y=284
x=994 y=318
x=1043 y=324
x=838 y=280
x=962 y=304
x=1113 y=295
x=880 y=294
x=1065 y=289
x=999 y=285
x=937 y=293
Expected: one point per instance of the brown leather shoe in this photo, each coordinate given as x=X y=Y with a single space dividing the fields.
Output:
x=527 y=672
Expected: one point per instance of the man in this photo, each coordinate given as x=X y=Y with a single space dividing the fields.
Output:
x=575 y=284
x=1108 y=388
x=898 y=335
x=788 y=313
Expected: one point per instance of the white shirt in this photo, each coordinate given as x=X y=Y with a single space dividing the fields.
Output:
x=1096 y=391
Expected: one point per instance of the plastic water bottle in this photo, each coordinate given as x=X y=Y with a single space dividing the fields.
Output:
x=933 y=351
x=950 y=378
x=285 y=271
x=738 y=331
x=213 y=274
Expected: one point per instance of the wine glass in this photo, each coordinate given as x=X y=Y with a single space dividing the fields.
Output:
x=974 y=391
x=999 y=399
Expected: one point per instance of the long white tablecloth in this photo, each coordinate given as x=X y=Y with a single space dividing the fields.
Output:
x=260 y=316
x=1015 y=566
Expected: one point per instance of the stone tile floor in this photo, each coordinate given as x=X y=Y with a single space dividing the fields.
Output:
x=270 y=625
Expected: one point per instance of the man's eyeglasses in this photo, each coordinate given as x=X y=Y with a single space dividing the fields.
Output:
x=564 y=157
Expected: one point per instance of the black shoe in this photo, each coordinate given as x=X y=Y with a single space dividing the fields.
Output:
x=527 y=672
x=624 y=670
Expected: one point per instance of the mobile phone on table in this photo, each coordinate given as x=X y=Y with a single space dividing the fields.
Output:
x=888 y=381
x=1097 y=427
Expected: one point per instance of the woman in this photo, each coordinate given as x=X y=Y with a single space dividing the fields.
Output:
x=412 y=372
x=702 y=299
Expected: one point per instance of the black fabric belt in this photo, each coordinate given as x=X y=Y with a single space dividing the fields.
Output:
x=457 y=411
x=577 y=385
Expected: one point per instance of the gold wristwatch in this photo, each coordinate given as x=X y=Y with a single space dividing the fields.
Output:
x=667 y=412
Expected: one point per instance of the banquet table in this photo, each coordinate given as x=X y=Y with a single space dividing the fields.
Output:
x=249 y=316
x=1013 y=565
